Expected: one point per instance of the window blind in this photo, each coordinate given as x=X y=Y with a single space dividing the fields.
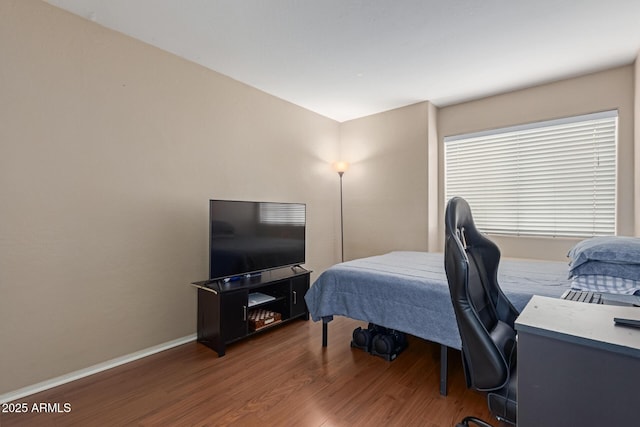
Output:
x=553 y=178
x=282 y=213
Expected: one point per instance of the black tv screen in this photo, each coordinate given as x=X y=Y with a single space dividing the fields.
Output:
x=250 y=237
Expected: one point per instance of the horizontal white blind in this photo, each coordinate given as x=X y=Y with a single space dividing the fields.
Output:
x=282 y=213
x=555 y=178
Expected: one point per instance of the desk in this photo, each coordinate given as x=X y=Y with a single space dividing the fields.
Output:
x=575 y=367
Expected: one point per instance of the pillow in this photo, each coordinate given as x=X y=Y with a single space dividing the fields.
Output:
x=613 y=249
x=608 y=284
x=612 y=269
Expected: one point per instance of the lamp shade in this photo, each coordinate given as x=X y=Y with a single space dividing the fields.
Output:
x=340 y=167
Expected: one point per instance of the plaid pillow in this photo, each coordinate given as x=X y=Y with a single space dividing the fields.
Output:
x=607 y=284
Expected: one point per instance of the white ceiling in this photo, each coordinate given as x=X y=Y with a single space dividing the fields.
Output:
x=346 y=59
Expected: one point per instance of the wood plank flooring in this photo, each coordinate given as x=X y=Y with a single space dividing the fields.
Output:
x=282 y=377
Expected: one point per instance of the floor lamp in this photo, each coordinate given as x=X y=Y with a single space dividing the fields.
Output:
x=341 y=168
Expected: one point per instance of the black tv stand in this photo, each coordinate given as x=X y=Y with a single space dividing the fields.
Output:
x=223 y=305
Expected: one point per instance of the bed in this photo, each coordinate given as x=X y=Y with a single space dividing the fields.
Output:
x=408 y=291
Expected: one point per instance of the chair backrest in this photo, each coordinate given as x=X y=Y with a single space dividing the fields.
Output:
x=484 y=315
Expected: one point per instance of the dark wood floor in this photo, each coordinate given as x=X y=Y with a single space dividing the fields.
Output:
x=281 y=377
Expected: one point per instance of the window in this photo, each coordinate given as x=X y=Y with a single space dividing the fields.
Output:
x=554 y=178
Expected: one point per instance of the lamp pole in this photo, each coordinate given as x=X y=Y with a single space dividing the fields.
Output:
x=341 y=167
x=341 y=218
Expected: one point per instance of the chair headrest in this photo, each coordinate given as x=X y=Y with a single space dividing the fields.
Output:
x=459 y=220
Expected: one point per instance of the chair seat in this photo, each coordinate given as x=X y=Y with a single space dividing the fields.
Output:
x=503 y=402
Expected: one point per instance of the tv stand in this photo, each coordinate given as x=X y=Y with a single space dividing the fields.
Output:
x=223 y=306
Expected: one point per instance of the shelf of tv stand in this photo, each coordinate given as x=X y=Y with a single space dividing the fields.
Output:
x=223 y=304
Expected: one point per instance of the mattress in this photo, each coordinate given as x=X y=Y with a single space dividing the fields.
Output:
x=408 y=291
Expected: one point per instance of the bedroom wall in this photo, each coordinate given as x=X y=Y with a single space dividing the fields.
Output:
x=606 y=90
x=636 y=130
x=389 y=190
x=110 y=150
x=386 y=187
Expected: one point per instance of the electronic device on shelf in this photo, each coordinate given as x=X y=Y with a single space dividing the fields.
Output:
x=247 y=238
x=257 y=298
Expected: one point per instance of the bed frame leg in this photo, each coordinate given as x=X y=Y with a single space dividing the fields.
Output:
x=443 y=369
x=324 y=333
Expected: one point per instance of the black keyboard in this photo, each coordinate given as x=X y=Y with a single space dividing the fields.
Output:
x=583 y=296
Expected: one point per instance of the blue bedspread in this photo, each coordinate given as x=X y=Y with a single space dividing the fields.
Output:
x=408 y=291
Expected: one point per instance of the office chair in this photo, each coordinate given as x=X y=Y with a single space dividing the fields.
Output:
x=484 y=315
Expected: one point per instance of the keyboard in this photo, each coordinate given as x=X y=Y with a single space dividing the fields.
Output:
x=583 y=296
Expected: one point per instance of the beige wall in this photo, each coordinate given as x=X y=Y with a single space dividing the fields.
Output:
x=636 y=131
x=607 y=90
x=109 y=152
x=385 y=189
x=394 y=190
x=433 y=176
x=394 y=183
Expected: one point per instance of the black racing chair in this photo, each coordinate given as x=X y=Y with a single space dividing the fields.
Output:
x=484 y=315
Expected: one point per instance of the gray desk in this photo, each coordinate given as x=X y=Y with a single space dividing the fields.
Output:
x=575 y=367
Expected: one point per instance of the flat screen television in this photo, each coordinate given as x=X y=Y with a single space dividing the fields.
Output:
x=250 y=237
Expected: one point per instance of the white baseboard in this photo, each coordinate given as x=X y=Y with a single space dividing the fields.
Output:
x=54 y=382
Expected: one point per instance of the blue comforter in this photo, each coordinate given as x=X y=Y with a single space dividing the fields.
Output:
x=408 y=291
